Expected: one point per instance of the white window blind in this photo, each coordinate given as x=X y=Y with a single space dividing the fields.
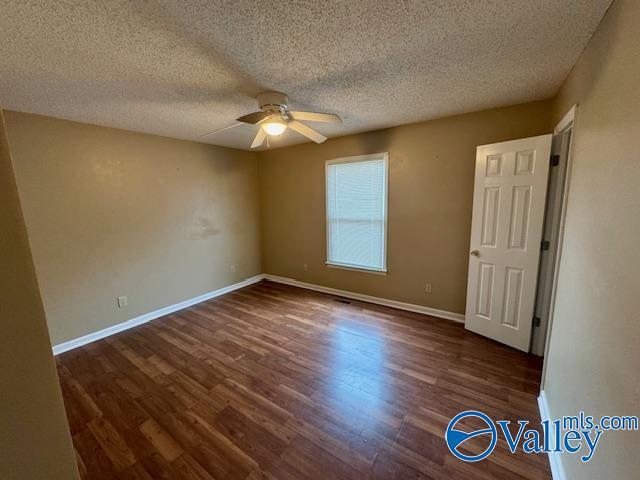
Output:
x=357 y=212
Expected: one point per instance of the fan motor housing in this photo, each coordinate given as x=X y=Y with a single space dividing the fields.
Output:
x=272 y=101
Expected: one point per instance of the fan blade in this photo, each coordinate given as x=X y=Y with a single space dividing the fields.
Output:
x=308 y=132
x=316 y=117
x=221 y=130
x=260 y=136
x=255 y=117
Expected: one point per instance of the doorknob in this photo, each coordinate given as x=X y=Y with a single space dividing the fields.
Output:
x=475 y=253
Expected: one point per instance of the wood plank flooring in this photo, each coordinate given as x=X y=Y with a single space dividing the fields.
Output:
x=277 y=382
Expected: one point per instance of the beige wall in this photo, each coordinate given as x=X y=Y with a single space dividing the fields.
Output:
x=34 y=435
x=111 y=213
x=431 y=173
x=594 y=353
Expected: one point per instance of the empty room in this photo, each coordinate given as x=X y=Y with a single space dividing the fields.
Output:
x=296 y=240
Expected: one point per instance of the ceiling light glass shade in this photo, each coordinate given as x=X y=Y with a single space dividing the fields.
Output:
x=274 y=127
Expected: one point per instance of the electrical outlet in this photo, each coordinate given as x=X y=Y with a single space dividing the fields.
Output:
x=305 y=267
x=427 y=288
x=122 y=301
x=232 y=268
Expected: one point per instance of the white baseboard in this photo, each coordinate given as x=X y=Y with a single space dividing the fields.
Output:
x=557 y=471
x=434 y=312
x=147 y=317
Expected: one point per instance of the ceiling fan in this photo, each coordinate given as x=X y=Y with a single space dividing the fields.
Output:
x=275 y=117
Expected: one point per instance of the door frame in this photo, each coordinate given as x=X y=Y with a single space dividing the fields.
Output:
x=565 y=125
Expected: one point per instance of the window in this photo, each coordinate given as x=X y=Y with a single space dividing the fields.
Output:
x=357 y=212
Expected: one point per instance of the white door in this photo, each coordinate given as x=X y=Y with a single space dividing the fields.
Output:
x=506 y=230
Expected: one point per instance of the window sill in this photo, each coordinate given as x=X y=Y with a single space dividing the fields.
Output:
x=375 y=271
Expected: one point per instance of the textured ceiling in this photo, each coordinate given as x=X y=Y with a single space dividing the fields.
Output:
x=184 y=68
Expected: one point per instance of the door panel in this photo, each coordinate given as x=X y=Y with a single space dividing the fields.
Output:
x=490 y=216
x=506 y=230
x=485 y=290
x=525 y=162
x=519 y=222
x=512 y=297
x=494 y=166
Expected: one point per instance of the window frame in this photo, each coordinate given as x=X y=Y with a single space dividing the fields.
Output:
x=384 y=156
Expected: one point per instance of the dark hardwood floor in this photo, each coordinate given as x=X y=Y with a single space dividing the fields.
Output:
x=277 y=382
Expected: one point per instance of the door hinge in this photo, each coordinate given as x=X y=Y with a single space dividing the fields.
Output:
x=554 y=161
x=536 y=321
x=544 y=245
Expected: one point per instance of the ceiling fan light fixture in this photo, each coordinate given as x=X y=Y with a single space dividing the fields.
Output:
x=274 y=127
x=274 y=118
